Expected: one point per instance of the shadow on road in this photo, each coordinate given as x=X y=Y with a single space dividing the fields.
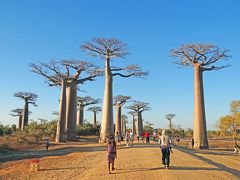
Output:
x=55 y=152
x=218 y=166
x=61 y=168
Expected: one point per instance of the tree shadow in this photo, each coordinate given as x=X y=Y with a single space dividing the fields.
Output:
x=129 y=170
x=218 y=166
x=61 y=168
x=54 y=152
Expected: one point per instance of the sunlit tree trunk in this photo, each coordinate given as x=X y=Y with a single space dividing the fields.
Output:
x=61 y=125
x=118 y=120
x=80 y=115
x=20 y=122
x=71 y=110
x=133 y=125
x=25 y=116
x=107 y=115
x=123 y=125
x=200 y=130
x=94 y=118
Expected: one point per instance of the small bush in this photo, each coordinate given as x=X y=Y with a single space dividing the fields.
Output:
x=87 y=130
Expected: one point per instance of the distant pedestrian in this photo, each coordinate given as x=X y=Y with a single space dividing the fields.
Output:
x=111 y=152
x=165 y=145
x=138 y=137
x=118 y=138
x=47 y=143
x=147 y=137
x=131 y=137
x=127 y=138
x=192 y=142
x=143 y=136
x=178 y=140
x=154 y=135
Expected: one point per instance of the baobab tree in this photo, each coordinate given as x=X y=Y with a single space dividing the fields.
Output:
x=95 y=110
x=124 y=122
x=170 y=117
x=29 y=98
x=108 y=49
x=119 y=101
x=82 y=102
x=201 y=57
x=18 y=112
x=133 y=113
x=138 y=108
x=67 y=74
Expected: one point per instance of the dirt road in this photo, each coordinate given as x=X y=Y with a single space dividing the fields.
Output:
x=140 y=161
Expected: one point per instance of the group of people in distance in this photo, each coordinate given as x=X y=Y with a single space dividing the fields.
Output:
x=164 y=141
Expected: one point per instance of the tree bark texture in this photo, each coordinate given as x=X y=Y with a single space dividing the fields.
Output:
x=80 y=115
x=94 y=118
x=118 y=120
x=25 y=115
x=61 y=125
x=200 y=129
x=133 y=125
x=123 y=125
x=20 y=122
x=107 y=115
x=71 y=110
x=139 y=128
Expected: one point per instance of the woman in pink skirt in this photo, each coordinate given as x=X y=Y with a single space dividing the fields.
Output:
x=111 y=152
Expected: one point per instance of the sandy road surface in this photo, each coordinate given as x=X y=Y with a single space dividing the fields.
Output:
x=138 y=162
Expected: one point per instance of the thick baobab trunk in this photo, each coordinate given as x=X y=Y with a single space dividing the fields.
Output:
x=200 y=129
x=61 y=125
x=25 y=116
x=118 y=120
x=80 y=115
x=94 y=118
x=139 y=123
x=71 y=111
x=133 y=125
x=123 y=125
x=20 y=122
x=107 y=115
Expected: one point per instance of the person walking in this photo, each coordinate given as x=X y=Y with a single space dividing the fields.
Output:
x=47 y=143
x=118 y=138
x=143 y=136
x=111 y=152
x=165 y=145
x=147 y=137
x=192 y=142
x=127 y=138
x=131 y=137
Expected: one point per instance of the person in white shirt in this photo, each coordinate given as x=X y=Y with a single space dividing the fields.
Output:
x=165 y=145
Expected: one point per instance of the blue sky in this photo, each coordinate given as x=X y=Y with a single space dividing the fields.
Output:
x=38 y=31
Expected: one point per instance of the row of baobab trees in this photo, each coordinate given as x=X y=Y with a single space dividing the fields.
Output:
x=69 y=74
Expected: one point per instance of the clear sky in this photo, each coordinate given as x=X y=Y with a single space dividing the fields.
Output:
x=38 y=31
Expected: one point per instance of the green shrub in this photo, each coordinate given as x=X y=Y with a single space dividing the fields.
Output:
x=87 y=130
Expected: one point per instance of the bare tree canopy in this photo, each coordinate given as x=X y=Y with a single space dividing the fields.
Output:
x=105 y=47
x=55 y=71
x=170 y=116
x=87 y=100
x=112 y=48
x=16 y=112
x=95 y=109
x=124 y=117
x=128 y=71
x=203 y=54
x=133 y=113
x=139 y=106
x=235 y=106
x=27 y=96
x=120 y=100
